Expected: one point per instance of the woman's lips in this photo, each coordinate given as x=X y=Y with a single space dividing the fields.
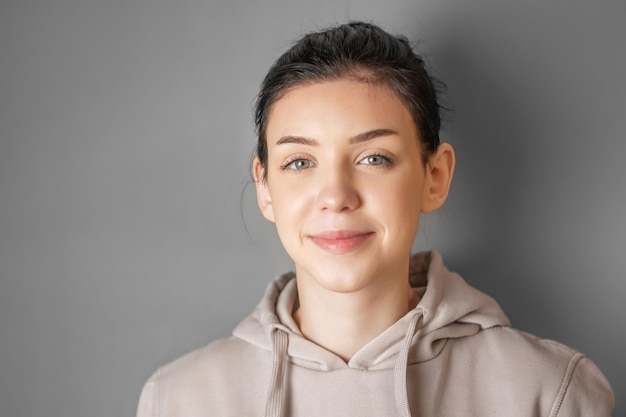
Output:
x=340 y=241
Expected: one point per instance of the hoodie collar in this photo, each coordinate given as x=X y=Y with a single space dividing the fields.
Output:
x=449 y=307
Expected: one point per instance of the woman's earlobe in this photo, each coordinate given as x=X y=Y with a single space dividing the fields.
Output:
x=264 y=199
x=439 y=170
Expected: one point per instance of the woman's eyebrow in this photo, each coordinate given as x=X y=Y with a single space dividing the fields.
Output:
x=300 y=140
x=361 y=137
x=372 y=134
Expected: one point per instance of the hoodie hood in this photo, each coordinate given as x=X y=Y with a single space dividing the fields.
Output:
x=448 y=308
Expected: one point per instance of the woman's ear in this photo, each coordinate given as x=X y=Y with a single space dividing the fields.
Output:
x=439 y=171
x=264 y=199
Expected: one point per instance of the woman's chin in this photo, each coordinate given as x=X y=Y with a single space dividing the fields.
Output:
x=340 y=277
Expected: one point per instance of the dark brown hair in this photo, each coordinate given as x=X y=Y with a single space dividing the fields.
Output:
x=360 y=51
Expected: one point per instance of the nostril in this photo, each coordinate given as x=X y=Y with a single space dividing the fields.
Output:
x=338 y=199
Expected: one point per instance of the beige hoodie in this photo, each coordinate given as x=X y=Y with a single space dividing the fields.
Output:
x=453 y=355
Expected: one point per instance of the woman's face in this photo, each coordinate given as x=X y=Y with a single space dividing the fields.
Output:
x=345 y=182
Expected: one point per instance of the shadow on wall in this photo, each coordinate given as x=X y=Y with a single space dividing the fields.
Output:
x=531 y=93
x=491 y=126
x=490 y=121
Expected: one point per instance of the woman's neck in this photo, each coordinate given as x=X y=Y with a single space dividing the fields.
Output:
x=345 y=322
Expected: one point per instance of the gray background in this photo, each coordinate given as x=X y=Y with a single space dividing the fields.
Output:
x=129 y=233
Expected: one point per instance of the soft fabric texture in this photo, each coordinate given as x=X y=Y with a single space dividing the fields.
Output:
x=453 y=355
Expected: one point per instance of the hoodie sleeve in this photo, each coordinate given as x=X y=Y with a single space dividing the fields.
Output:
x=584 y=392
x=148 y=400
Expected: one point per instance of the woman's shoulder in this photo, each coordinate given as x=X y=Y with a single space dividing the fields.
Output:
x=202 y=376
x=567 y=376
x=505 y=341
x=510 y=347
x=219 y=353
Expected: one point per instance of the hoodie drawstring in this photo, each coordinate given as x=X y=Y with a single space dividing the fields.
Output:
x=274 y=404
x=400 y=368
x=280 y=343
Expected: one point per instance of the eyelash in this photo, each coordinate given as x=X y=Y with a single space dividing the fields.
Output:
x=385 y=163
x=286 y=165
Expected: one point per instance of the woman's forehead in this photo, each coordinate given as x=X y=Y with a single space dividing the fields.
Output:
x=342 y=105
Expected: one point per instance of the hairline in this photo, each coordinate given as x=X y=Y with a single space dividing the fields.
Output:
x=355 y=72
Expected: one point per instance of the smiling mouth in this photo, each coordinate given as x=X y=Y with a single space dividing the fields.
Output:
x=340 y=241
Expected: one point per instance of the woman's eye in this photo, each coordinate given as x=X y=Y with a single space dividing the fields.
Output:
x=298 y=164
x=374 y=160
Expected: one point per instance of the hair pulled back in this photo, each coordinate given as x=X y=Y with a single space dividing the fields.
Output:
x=359 y=51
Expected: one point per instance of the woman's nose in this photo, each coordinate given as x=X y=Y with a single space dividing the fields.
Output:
x=337 y=192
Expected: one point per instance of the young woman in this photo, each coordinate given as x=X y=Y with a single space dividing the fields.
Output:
x=348 y=157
